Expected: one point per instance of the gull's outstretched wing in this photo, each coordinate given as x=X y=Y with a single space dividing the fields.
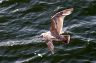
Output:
x=57 y=22
x=50 y=46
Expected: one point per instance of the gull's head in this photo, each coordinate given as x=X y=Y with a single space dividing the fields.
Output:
x=67 y=12
x=44 y=36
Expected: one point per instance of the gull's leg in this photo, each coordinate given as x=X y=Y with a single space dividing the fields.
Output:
x=50 y=46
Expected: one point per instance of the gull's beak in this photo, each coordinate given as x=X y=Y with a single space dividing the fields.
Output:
x=39 y=36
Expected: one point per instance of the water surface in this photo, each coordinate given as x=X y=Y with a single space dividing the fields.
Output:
x=21 y=21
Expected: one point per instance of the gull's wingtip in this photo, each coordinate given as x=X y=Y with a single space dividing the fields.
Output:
x=67 y=39
x=50 y=46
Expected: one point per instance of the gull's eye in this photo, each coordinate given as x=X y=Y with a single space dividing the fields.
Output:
x=41 y=36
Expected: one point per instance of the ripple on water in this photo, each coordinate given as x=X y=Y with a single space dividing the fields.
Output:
x=21 y=21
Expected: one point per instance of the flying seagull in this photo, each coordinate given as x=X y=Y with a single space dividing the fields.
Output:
x=55 y=32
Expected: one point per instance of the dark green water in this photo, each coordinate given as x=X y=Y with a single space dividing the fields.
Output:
x=22 y=20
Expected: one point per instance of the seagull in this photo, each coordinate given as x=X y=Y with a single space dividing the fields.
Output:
x=56 y=27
